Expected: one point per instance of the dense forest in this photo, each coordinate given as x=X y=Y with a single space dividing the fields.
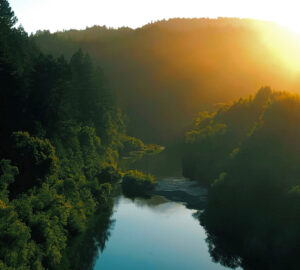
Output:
x=248 y=153
x=74 y=104
x=62 y=139
x=165 y=72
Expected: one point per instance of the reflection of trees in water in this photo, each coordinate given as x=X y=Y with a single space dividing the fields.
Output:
x=151 y=202
x=252 y=215
x=83 y=251
x=223 y=250
x=253 y=243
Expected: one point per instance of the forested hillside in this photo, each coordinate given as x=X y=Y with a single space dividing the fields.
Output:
x=248 y=153
x=73 y=106
x=167 y=71
x=62 y=137
x=217 y=136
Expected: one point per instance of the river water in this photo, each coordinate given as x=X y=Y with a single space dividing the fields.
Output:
x=155 y=234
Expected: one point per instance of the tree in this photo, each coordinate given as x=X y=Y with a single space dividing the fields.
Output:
x=7 y=16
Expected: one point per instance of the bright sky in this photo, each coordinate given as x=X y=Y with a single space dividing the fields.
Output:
x=56 y=15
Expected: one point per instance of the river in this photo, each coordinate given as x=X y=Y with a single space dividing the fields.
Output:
x=155 y=234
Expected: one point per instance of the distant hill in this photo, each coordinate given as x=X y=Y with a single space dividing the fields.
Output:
x=167 y=71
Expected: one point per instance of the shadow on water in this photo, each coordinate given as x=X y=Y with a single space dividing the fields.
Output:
x=251 y=237
x=230 y=235
x=84 y=250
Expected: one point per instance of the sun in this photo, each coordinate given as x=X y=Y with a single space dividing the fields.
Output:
x=283 y=39
x=292 y=23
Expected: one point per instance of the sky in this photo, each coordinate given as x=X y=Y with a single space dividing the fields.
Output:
x=56 y=15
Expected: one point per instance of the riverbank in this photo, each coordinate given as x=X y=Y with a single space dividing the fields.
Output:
x=183 y=190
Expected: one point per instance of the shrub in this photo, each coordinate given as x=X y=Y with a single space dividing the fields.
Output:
x=136 y=183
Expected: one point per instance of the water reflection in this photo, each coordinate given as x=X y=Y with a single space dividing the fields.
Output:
x=253 y=239
x=152 y=202
x=83 y=251
x=155 y=235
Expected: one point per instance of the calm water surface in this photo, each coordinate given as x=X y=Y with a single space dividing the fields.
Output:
x=155 y=234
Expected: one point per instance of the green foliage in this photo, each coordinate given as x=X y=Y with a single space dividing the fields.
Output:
x=14 y=239
x=133 y=149
x=252 y=214
x=109 y=175
x=206 y=133
x=131 y=146
x=7 y=177
x=216 y=137
x=196 y=64
x=136 y=183
x=60 y=137
x=34 y=156
x=140 y=176
x=7 y=16
x=153 y=149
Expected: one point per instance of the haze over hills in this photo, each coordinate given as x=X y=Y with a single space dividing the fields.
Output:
x=69 y=168
x=166 y=72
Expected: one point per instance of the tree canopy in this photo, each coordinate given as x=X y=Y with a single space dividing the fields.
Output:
x=61 y=142
x=247 y=153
